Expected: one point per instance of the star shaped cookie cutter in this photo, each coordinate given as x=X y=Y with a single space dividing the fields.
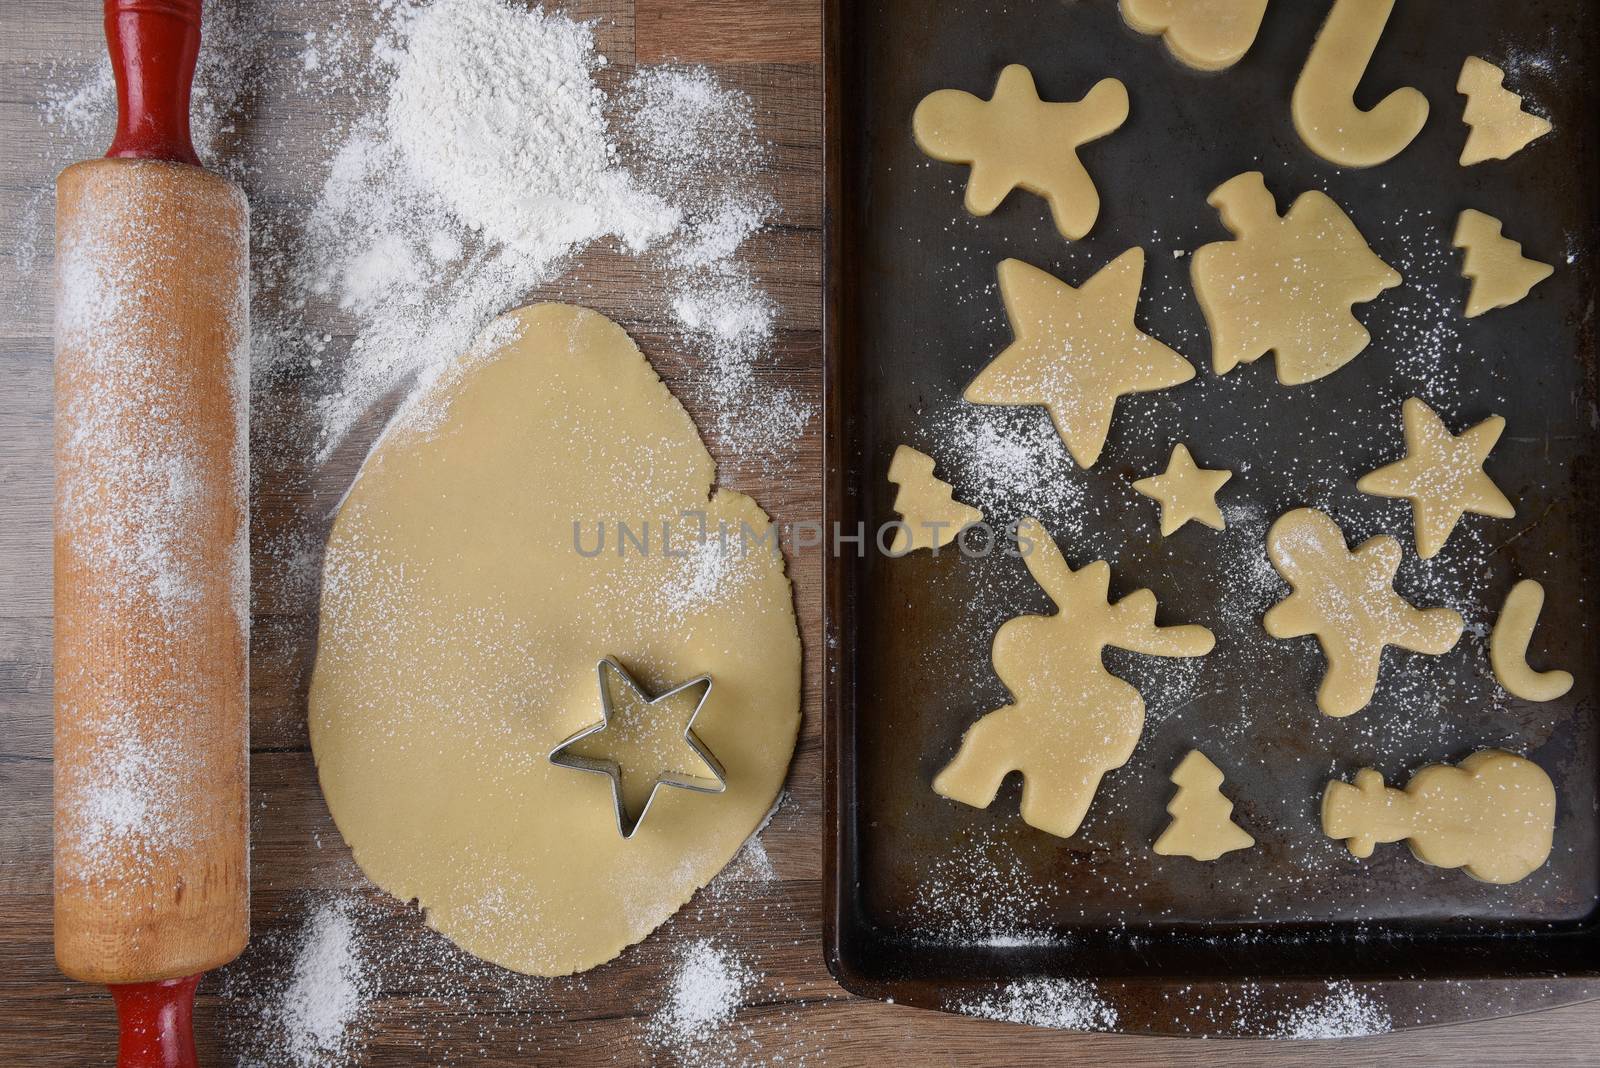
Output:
x=612 y=770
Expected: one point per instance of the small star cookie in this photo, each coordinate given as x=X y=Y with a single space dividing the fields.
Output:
x=1442 y=475
x=1186 y=491
x=1076 y=350
x=1015 y=140
x=1346 y=599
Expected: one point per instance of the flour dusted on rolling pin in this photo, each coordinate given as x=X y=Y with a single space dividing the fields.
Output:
x=152 y=568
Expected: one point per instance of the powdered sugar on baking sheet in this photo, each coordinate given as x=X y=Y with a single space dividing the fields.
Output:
x=1069 y=1004
x=1344 y=1012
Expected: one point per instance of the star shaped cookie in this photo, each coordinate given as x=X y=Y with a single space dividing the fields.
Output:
x=1442 y=475
x=1186 y=491
x=1075 y=351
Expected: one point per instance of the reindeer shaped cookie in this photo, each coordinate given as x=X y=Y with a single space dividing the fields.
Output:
x=1070 y=720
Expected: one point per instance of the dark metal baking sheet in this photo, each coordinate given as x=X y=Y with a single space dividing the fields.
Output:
x=938 y=904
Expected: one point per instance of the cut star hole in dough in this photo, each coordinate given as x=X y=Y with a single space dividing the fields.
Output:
x=1014 y=140
x=1498 y=127
x=465 y=605
x=1500 y=274
x=1442 y=475
x=1203 y=34
x=1323 y=102
x=1070 y=720
x=1186 y=491
x=1285 y=285
x=1347 y=601
x=1075 y=351
x=1508 y=647
x=1202 y=826
x=1493 y=814
x=931 y=515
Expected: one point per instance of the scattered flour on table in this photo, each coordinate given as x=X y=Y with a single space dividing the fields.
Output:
x=481 y=157
x=310 y=1014
x=1069 y=1004
x=707 y=987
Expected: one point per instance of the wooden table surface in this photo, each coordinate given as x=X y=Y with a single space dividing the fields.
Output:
x=794 y=1012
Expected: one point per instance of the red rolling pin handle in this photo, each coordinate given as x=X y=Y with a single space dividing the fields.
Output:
x=157 y=1022
x=154 y=45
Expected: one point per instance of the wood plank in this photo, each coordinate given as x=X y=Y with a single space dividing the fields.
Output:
x=728 y=31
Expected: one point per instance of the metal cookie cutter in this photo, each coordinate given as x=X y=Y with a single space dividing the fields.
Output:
x=613 y=770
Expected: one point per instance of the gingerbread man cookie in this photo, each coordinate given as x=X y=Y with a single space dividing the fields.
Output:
x=1347 y=601
x=1015 y=140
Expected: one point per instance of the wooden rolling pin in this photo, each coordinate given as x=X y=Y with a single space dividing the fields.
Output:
x=151 y=550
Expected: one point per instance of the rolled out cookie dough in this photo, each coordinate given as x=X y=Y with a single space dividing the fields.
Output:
x=462 y=619
x=1204 y=34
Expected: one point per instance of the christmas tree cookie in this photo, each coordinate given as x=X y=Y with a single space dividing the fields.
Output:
x=931 y=516
x=1201 y=826
x=1285 y=284
x=1493 y=814
x=1070 y=720
x=1346 y=600
x=1014 y=140
x=1501 y=275
x=1499 y=128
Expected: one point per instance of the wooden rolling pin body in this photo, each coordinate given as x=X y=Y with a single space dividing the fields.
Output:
x=151 y=571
